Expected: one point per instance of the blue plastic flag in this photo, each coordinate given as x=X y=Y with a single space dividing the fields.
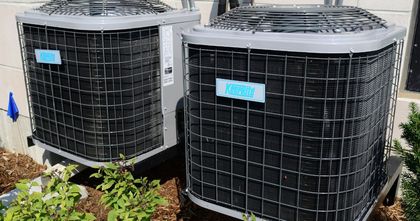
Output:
x=12 y=110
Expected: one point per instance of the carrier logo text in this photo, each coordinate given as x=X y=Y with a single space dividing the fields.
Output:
x=47 y=56
x=240 y=90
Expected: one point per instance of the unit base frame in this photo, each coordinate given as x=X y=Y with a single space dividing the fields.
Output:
x=394 y=168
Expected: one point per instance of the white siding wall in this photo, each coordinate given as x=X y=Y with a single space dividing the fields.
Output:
x=13 y=135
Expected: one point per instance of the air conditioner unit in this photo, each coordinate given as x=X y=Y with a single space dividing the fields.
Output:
x=289 y=109
x=104 y=77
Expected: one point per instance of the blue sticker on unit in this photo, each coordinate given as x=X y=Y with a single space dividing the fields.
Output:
x=47 y=56
x=240 y=90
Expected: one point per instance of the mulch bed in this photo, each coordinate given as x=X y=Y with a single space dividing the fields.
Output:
x=14 y=167
x=389 y=213
x=91 y=204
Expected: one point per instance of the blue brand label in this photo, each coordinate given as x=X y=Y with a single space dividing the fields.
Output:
x=240 y=90
x=47 y=56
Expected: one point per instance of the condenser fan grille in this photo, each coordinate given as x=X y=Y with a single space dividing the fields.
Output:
x=298 y=19
x=104 y=7
x=103 y=99
x=313 y=150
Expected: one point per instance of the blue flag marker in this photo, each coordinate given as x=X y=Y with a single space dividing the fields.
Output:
x=12 y=110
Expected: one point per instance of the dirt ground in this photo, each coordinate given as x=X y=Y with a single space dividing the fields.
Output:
x=91 y=204
x=389 y=213
x=14 y=167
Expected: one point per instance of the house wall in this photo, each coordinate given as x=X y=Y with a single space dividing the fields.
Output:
x=13 y=134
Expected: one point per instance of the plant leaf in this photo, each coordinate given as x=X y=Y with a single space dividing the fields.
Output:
x=112 y=215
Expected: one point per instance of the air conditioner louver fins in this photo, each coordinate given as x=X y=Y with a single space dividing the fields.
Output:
x=96 y=82
x=306 y=19
x=278 y=127
x=105 y=99
x=104 y=8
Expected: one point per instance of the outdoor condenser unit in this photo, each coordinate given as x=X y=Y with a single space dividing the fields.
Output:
x=104 y=77
x=289 y=110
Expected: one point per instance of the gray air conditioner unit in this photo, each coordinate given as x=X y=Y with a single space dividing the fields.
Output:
x=289 y=110
x=104 y=77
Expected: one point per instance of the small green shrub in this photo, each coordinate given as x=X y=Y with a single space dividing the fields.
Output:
x=2 y=208
x=251 y=217
x=27 y=206
x=411 y=180
x=128 y=198
x=56 y=202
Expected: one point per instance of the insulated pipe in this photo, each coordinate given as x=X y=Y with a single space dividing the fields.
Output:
x=189 y=5
x=233 y=4
x=221 y=8
x=338 y=2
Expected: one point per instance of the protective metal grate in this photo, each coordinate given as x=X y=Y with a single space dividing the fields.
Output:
x=105 y=97
x=313 y=151
x=104 y=7
x=298 y=19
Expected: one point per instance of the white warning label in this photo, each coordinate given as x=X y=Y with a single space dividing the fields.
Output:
x=167 y=55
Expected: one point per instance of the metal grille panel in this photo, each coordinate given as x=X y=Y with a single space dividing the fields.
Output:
x=298 y=19
x=105 y=97
x=313 y=151
x=104 y=7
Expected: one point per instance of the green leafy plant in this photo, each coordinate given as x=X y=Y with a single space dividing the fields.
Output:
x=127 y=197
x=250 y=217
x=2 y=208
x=57 y=201
x=411 y=156
x=27 y=206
